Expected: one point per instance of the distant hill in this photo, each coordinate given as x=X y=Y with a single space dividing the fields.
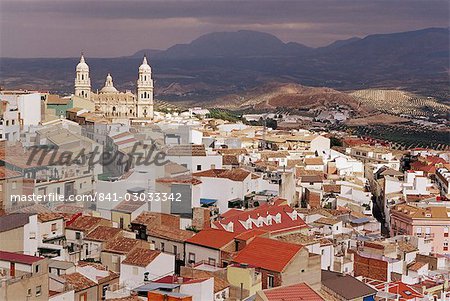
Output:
x=288 y=95
x=224 y=63
x=242 y=43
x=340 y=43
x=147 y=52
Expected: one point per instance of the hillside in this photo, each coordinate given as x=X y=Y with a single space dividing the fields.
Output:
x=242 y=43
x=286 y=95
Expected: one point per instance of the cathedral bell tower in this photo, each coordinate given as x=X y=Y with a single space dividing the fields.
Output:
x=82 y=80
x=145 y=91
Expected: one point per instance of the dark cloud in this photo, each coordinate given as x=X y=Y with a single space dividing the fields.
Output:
x=110 y=28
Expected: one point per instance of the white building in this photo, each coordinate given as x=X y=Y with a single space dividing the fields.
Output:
x=145 y=265
x=112 y=103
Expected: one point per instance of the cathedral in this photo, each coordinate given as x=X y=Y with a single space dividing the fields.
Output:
x=112 y=103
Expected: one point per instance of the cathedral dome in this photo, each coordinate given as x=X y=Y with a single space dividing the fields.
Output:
x=109 y=86
x=82 y=66
x=145 y=66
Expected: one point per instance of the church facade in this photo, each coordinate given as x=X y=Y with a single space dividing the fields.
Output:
x=115 y=104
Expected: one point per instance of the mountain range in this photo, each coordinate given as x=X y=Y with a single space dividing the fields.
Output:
x=220 y=63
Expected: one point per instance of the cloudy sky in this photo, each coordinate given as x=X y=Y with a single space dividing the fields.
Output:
x=108 y=28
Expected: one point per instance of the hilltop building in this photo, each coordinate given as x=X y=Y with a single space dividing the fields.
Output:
x=113 y=103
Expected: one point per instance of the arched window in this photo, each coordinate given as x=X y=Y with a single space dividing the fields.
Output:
x=82 y=76
x=145 y=77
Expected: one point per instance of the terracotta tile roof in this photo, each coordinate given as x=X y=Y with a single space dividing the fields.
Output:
x=240 y=217
x=129 y=298
x=231 y=151
x=269 y=254
x=18 y=258
x=211 y=238
x=170 y=233
x=121 y=245
x=332 y=188
x=313 y=161
x=219 y=283
x=78 y=282
x=103 y=233
x=49 y=216
x=406 y=292
x=129 y=206
x=7 y=173
x=156 y=219
x=251 y=233
x=326 y=221
x=187 y=150
x=406 y=247
x=85 y=223
x=235 y=174
x=440 y=213
x=141 y=257
x=295 y=292
x=415 y=266
x=298 y=238
x=183 y=179
x=230 y=160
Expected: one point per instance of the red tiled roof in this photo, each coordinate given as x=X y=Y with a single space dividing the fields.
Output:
x=78 y=281
x=18 y=258
x=212 y=238
x=141 y=257
x=235 y=174
x=269 y=254
x=238 y=216
x=103 y=233
x=295 y=292
x=85 y=223
x=251 y=233
x=183 y=179
x=406 y=292
x=121 y=245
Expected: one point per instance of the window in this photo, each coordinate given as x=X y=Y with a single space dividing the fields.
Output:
x=419 y=231
x=199 y=167
x=54 y=228
x=29 y=292
x=191 y=258
x=83 y=297
x=162 y=246
x=446 y=230
x=38 y=290
x=270 y=281
x=77 y=235
x=175 y=250
x=212 y=261
x=36 y=269
x=104 y=289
